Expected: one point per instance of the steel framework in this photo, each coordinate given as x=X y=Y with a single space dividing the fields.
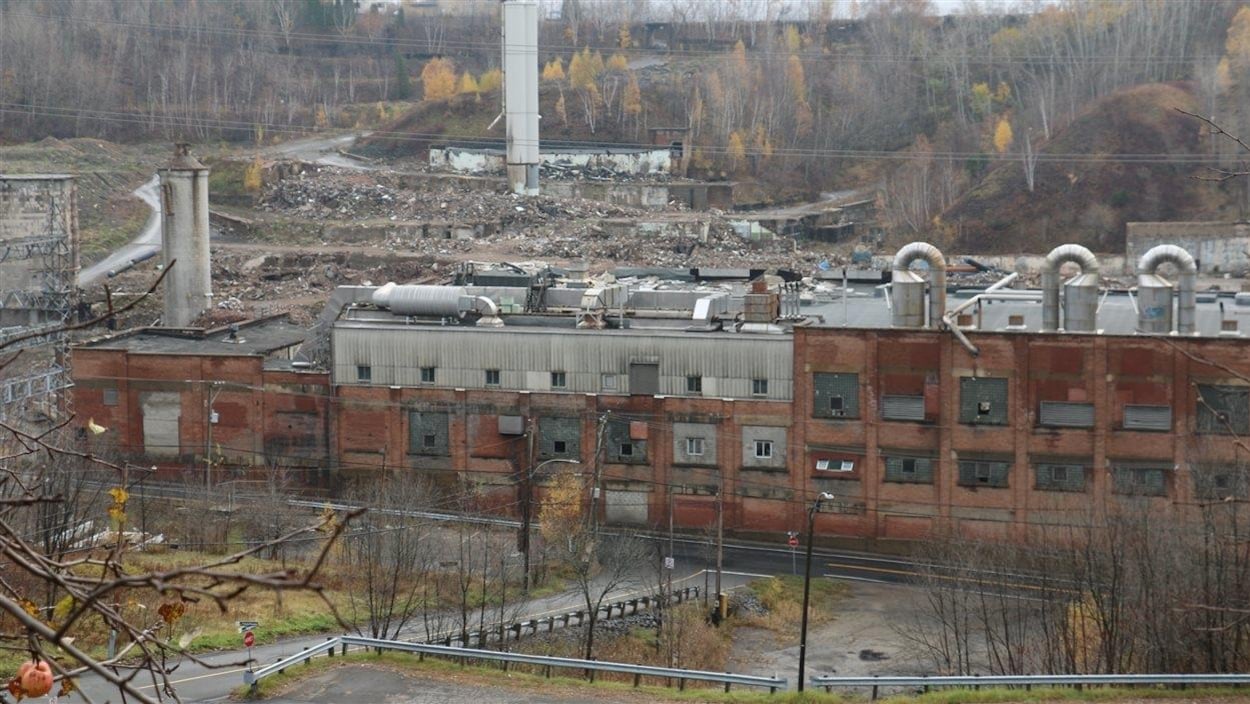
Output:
x=38 y=266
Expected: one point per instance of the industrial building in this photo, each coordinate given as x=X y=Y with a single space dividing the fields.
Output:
x=992 y=411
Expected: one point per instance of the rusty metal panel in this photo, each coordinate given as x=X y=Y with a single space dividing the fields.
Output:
x=1057 y=414
x=1146 y=417
x=902 y=408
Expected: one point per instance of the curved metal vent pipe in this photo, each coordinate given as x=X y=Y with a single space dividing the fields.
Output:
x=1080 y=298
x=446 y=301
x=908 y=287
x=1155 y=292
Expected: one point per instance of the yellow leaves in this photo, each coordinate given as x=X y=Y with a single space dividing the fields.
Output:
x=30 y=607
x=467 y=84
x=554 y=70
x=793 y=41
x=796 y=79
x=438 y=79
x=982 y=99
x=736 y=152
x=618 y=63
x=561 y=110
x=631 y=101
x=490 y=81
x=171 y=611
x=117 y=511
x=1003 y=136
x=560 y=512
x=95 y=428
x=63 y=608
x=252 y=178
x=622 y=37
x=329 y=520
x=585 y=68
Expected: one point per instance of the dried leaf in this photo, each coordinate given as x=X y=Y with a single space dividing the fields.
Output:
x=15 y=688
x=171 y=611
x=68 y=686
x=30 y=607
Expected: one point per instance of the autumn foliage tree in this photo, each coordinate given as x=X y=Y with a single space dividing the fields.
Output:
x=438 y=79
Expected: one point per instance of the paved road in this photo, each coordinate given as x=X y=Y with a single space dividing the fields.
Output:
x=147 y=242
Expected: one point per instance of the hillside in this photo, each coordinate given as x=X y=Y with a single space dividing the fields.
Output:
x=1087 y=199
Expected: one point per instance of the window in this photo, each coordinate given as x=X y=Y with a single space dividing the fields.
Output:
x=763 y=449
x=110 y=397
x=835 y=465
x=694 y=446
x=364 y=372
x=1142 y=417
x=429 y=440
x=627 y=449
x=623 y=444
x=427 y=375
x=983 y=401
x=492 y=377
x=1140 y=481
x=1220 y=482
x=608 y=382
x=559 y=438
x=759 y=387
x=558 y=380
x=1223 y=410
x=902 y=408
x=909 y=470
x=694 y=384
x=835 y=395
x=1054 y=414
x=428 y=433
x=559 y=447
x=984 y=473
x=1052 y=476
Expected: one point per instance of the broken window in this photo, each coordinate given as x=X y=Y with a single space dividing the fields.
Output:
x=1223 y=410
x=1221 y=482
x=622 y=445
x=983 y=401
x=835 y=395
x=559 y=446
x=1140 y=481
x=909 y=470
x=984 y=473
x=1051 y=476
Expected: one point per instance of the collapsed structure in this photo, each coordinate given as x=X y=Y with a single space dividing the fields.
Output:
x=993 y=412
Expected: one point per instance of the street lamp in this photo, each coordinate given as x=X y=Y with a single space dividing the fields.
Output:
x=807 y=581
x=527 y=515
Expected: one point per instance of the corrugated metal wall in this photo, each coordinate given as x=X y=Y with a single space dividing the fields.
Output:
x=395 y=355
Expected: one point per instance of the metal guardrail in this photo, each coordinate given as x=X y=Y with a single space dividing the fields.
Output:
x=1026 y=681
x=251 y=677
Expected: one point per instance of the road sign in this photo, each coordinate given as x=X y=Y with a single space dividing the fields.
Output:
x=794 y=541
x=245 y=626
x=669 y=563
x=249 y=639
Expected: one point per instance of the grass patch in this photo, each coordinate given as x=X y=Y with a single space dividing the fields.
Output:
x=783 y=597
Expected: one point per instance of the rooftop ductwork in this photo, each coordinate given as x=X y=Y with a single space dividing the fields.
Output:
x=444 y=301
x=1154 y=313
x=1080 y=293
x=908 y=287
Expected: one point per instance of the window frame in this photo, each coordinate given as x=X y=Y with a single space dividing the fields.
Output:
x=694 y=384
x=559 y=380
x=608 y=382
x=692 y=443
x=766 y=446
x=759 y=386
x=364 y=372
x=497 y=375
x=429 y=374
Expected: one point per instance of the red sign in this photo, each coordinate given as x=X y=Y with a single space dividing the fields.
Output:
x=794 y=541
x=249 y=639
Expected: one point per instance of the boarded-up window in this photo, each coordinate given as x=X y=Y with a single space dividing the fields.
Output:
x=909 y=470
x=1140 y=481
x=428 y=433
x=983 y=401
x=161 y=412
x=902 y=408
x=622 y=445
x=644 y=379
x=1058 y=476
x=559 y=438
x=986 y=473
x=629 y=507
x=1223 y=409
x=835 y=395
x=1142 y=417
x=1055 y=414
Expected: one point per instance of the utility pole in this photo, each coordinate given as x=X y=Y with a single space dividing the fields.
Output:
x=209 y=397
x=527 y=507
x=807 y=581
x=720 y=549
x=594 y=485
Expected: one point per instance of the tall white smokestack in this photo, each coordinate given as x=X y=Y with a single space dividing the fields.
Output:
x=184 y=236
x=520 y=93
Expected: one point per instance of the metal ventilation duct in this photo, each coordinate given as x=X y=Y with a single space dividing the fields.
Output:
x=445 y=301
x=1080 y=298
x=1155 y=292
x=908 y=287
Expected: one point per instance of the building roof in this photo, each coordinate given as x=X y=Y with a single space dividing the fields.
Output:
x=257 y=337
